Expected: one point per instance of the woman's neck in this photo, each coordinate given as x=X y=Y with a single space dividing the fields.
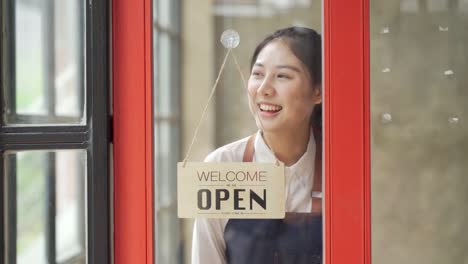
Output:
x=288 y=146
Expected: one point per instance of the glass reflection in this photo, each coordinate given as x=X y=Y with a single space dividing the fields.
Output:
x=419 y=132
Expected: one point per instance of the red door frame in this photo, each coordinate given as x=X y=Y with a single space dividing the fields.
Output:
x=133 y=131
x=346 y=138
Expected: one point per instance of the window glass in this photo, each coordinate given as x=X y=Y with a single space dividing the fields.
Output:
x=50 y=50
x=184 y=73
x=45 y=50
x=166 y=79
x=166 y=99
x=419 y=126
x=45 y=215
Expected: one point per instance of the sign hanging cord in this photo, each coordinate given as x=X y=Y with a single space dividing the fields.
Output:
x=206 y=106
x=211 y=97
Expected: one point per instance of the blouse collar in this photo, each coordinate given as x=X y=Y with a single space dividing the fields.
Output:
x=303 y=167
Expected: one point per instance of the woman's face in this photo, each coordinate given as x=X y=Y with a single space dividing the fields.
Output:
x=280 y=89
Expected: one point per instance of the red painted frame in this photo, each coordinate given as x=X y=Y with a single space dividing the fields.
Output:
x=133 y=131
x=347 y=138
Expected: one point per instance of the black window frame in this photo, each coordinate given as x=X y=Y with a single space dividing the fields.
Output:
x=94 y=136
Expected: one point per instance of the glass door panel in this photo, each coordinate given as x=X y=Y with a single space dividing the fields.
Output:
x=419 y=131
x=184 y=73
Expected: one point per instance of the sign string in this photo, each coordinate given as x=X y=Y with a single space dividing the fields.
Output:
x=206 y=106
x=244 y=83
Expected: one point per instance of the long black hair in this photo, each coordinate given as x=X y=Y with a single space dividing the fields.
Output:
x=306 y=45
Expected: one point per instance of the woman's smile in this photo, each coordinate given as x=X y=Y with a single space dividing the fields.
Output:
x=269 y=110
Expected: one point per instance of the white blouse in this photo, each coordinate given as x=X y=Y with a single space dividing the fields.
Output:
x=208 y=246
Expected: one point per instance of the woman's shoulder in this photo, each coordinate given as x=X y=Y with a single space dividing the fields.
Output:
x=232 y=152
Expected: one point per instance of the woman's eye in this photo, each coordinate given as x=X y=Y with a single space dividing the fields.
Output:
x=256 y=74
x=284 y=76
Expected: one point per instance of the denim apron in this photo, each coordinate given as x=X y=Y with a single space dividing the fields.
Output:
x=296 y=239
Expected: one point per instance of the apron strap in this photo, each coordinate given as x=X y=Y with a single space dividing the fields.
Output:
x=317 y=187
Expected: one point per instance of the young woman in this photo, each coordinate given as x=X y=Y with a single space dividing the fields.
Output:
x=284 y=90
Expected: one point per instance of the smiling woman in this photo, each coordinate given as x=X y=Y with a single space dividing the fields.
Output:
x=280 y=88
x=283 y=90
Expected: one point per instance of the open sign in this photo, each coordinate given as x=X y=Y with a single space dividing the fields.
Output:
x=230 y=190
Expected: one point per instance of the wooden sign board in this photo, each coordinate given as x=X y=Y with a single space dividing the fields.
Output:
x=230 y=190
